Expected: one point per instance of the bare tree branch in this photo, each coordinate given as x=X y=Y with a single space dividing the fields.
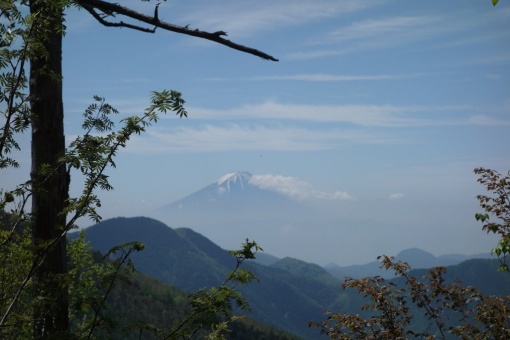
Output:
x=101 y=19
x=107 y=7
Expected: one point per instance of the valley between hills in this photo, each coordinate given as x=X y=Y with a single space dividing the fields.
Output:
x=290 y=293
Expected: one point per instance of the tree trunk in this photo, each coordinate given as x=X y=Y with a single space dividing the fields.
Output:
x=50 y=191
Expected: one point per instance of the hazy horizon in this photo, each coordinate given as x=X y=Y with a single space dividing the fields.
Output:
x=378 y=110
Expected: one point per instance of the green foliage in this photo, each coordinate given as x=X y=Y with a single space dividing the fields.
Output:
x=390 y=309
x=91 y=282
x=214 y=306
x=35 y=293
x=498 y=206
x=92 y=153
x=309 y=271
x=451 y=308
x=15 y=256
x=195 y=261
x=147 y=307
x=286 y=297
x=14 y=111
x=144 y=306
x=246 y=329
x=205 y=312
x=88 y=282
x=98 y=286
x=495 y=2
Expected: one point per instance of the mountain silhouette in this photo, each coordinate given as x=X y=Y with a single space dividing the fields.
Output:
x=285 y=297
x=290 y=293
x=232 y=194
x=233 y=208
x=415 y=257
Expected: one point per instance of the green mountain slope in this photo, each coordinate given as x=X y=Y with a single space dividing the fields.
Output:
x=169 y=255
x=480 y=273
x=189 y=261
x=290 y=292
x=147 y=300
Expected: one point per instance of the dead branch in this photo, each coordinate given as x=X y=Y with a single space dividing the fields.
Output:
x=107 y=7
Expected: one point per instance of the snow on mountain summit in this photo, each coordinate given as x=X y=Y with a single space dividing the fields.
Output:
x=237 y=179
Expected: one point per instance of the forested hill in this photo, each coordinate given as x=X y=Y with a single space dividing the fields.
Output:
x=290 y=292
x=149 y=301
x=189 y=261
x=181 y=257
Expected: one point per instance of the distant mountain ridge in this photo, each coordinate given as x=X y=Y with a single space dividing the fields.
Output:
x=189 y=261
x=290 y=293
x=415 y=257
x=266 y=208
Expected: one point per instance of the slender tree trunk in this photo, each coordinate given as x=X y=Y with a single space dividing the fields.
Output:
x=50 y=192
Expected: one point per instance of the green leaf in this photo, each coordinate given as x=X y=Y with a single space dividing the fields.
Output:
x=9 y=197
x=496 y=251
x=495 y=2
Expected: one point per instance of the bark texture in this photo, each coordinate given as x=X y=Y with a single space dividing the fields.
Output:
x=50 y=188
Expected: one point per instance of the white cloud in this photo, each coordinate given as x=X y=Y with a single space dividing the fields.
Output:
x=488 y=121
x=442 y=31
x=285 y=127
x=235 y=137
x=370 y=34
x=337 y=195
x=289 y=186
x=387 y=27
x=250 y=18
x=362 y=115
x=296 y=188
x=315 y=53
x=396 y=196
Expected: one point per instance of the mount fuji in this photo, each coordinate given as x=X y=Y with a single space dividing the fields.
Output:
x=233 y=193
x=239 y=206
x=234 y=208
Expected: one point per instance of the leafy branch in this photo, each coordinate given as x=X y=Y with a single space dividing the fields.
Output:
x=207 y=306
x=91 y=155
x=12 y=82
x=497 y=205
x=126 y=250
x=390 y=317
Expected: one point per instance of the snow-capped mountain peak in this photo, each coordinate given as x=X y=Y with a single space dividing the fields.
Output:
x=238 y=179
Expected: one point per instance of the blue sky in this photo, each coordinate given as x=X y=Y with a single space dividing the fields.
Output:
x=377 y=109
